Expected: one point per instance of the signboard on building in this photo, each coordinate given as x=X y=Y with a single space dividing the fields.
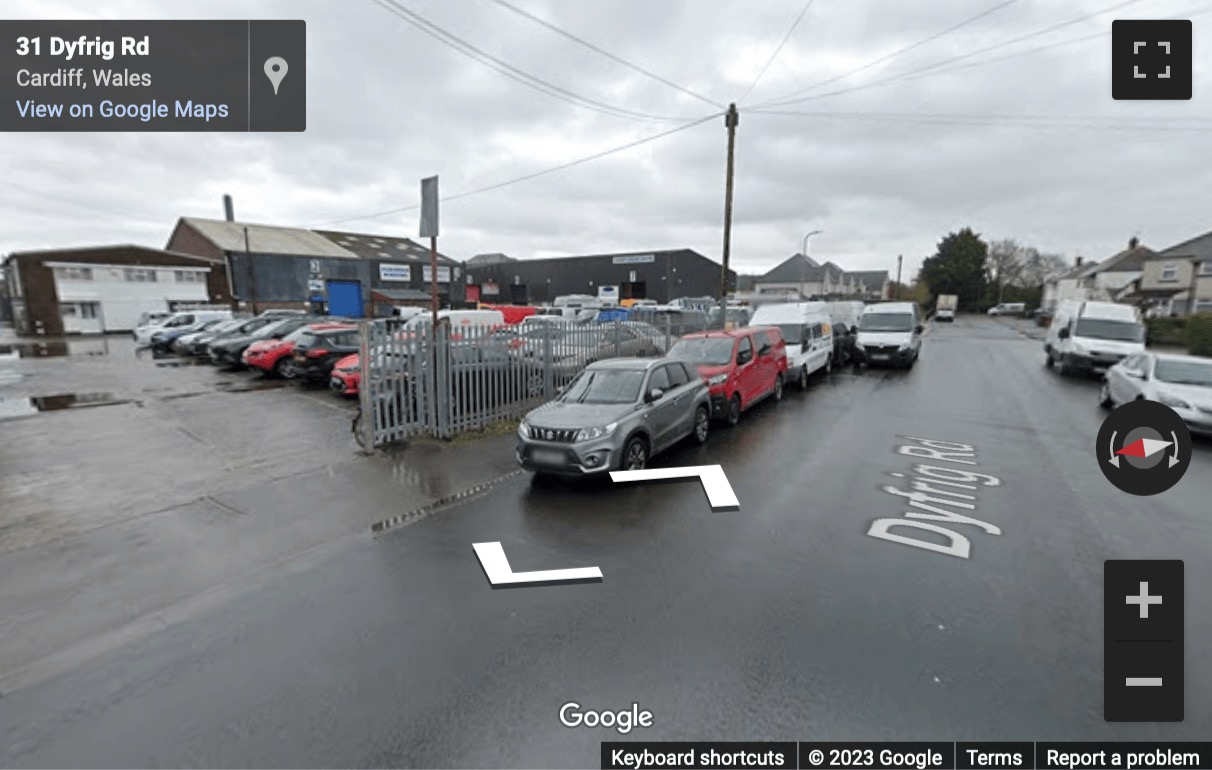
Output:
x=443 y=274
x=315 y=285
x=395 y=273
x=635 y=259
x=490 y=288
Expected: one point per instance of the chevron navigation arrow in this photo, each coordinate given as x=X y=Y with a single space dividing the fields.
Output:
x=501 y=575
x=715 y=483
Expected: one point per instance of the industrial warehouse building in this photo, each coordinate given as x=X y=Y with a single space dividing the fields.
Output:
x=655 y=275
x=100 y=289
x=343 y=274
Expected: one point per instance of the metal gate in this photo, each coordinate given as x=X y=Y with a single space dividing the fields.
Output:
x=441 y=381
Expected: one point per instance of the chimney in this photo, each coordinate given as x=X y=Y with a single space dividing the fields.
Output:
x=1133 y=242
x=227 y=209
x=1077 y=262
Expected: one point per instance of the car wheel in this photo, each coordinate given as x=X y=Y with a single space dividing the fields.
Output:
x=803 y=378
x=702 y=425
x=778 y=388
x=734 y=410
x=285 y=368
x=1104 y=397
x=635 y=455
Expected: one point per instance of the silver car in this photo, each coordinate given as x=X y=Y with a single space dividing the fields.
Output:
x=1183 y=383
x=615 y=415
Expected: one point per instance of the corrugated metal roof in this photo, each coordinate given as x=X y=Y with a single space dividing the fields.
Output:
x=267 y=239
x=383 y=247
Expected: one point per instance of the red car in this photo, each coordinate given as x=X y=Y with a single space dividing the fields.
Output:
x=274 y=356
x=346 y=376
x=741 y=366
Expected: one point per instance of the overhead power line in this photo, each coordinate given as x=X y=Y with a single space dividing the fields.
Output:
x=525 y=78
x=774 y=55
x=951 y=60
x=1095 y=122
x=535 y=175
x=597 y=49
x=888 y=57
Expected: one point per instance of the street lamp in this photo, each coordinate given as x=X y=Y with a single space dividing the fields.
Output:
x=804 y=264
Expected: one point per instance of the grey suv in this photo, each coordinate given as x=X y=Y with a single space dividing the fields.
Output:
x=615 y=415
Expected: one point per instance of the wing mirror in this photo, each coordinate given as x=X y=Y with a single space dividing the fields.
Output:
x=655 y=395
x=744 y=357
x=1063 y=334
x=918 y=329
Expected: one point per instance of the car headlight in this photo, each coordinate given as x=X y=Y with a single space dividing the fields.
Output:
x=904 y=346
x=718 y=379
x=589 y=434
x=1172 y=402
x=523 y=430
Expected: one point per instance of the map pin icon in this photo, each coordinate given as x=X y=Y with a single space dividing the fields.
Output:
x=275 y=70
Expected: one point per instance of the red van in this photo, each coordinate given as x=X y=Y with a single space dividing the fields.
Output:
x=741 y=366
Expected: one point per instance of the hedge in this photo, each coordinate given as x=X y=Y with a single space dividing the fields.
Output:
x=1192 y=332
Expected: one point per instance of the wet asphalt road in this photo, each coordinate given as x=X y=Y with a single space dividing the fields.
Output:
x=783 y=620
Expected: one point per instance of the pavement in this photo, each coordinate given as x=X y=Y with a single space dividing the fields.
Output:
x=784 y=620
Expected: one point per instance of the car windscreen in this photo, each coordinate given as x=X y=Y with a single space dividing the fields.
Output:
x=795 y=334
x=1184 y=373
x=709 y=351
x=886 y=322
x=604 y=386
x=1105 y=329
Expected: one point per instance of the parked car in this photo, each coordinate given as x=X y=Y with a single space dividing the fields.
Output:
x=143 y=334
x=889 y=334
x=229 y=350
x=740 y=366
x=201 y=344
x=184 y=344
x=1090 y=337
x=807 y=329
x=318 y=350
x=615 y=415
x=164 y=339
x=1183 y=383
x=1008 y=308
x=275 y=356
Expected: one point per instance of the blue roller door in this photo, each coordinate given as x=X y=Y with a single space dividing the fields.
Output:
x=345 y=299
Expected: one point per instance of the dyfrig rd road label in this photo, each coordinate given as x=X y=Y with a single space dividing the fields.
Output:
x=941 y=490
x=153 y=76
x=1143 y=448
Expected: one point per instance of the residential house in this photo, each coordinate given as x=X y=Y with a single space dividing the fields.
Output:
x=1073 y=284
x=1178 y=280
x=803 y=276
x=870 y=284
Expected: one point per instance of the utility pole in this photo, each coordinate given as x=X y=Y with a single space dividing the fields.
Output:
x=731 y=119
x=252 y=286
x=899 y=257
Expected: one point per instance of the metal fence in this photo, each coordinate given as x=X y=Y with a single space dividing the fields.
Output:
x=417 y=379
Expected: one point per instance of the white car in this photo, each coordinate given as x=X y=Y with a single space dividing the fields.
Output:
x=1183 y=383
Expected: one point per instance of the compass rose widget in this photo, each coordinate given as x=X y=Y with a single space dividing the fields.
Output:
x=1143 y=448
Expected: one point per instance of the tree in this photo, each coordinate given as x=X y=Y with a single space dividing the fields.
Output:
x=958 y=267
x=1008 y=260
x=1041 y=268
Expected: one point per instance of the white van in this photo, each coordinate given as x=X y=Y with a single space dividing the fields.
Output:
x=807 y=329
x=846 y=313
x=890 y=333
x=1091 y=337
x=1008 y=308
x=143 y=334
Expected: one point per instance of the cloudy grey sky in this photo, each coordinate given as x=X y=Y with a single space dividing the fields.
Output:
x=913 y=118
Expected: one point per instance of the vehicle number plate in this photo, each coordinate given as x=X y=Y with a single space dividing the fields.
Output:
x=300 y=357
x=547 y=456
x=879 y=357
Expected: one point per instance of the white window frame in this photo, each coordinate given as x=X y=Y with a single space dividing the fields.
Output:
x=1205 y=267
x=1172 y=269
x=1203 y=306
x=74 y=273
x=148 y=274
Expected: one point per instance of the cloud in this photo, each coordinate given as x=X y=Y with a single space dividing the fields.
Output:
x=1031 y=146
